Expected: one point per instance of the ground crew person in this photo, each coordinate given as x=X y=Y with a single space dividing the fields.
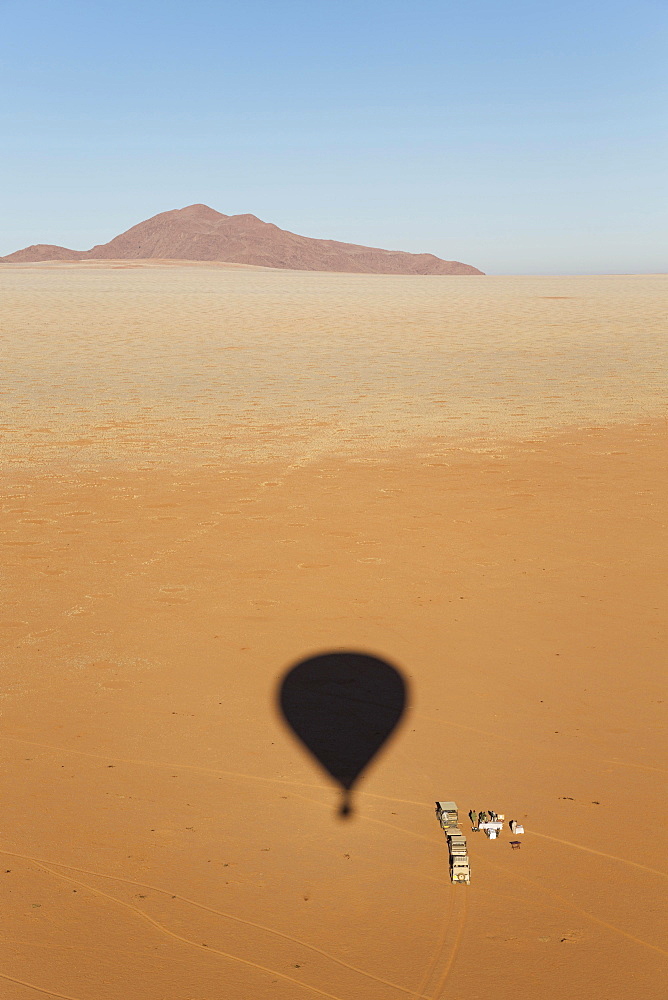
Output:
x=473 y=816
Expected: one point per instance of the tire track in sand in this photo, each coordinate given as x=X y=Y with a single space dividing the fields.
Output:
x=234 y=775
x=601 y=854
x=206 y=949
x=38 y=989
x=209 y=909
x=572 y=906
x=455 y=948
x=438 y=951
x=420 y=993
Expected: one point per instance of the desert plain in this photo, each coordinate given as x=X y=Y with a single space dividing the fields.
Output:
x=210 y=472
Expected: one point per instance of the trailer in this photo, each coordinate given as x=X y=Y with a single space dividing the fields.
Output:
x=460 y=866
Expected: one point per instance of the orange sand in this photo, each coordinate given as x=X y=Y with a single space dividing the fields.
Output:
x=171 y=548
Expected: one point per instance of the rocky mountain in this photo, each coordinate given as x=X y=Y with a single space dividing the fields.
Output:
x=200 y=233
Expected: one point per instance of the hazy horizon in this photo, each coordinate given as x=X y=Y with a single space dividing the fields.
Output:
x=521 y=141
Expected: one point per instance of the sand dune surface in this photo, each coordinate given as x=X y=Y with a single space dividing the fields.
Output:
x=210 y=473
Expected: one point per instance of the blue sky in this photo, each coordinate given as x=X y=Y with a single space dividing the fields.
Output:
x=522 y=137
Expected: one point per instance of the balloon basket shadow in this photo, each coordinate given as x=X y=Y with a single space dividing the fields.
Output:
x=346 y=810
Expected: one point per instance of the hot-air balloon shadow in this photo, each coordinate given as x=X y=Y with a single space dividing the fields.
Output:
x=343 y=706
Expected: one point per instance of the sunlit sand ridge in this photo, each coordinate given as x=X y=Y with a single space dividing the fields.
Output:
x=211 y=473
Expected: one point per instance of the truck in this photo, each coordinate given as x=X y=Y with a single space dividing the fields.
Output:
x=447 y=814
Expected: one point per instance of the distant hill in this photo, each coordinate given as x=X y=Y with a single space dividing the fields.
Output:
x=200 y=233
